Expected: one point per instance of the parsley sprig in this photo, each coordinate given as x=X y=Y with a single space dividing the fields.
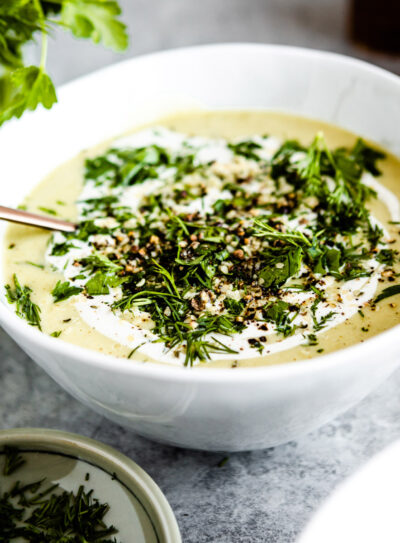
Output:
x=25 y=87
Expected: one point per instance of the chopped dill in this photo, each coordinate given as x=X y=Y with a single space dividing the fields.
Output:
x=387 y=292
x=48 y=210
x=38 y=512
x=201 y=269
x=223 y=462
x=25 y=308
x=13 y=460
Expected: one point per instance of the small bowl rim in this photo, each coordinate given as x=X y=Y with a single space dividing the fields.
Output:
x=90 y=449
x=206 y=374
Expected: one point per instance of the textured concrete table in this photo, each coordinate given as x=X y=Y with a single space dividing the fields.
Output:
x=263 y=496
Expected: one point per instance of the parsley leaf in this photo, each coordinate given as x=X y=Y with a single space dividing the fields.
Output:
x=95 y=19
x=63 y=291
x=100 y=282
x=246 y=148
x=98 y=261
x=24 y=87
x=61 y=249
x=281 y=267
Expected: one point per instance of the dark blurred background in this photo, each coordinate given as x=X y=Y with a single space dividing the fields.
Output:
x=319 y=24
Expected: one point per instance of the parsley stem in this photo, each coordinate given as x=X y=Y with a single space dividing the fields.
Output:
x=43 y=54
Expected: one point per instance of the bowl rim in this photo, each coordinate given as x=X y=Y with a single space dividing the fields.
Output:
x=205 y=374
x=90 y=449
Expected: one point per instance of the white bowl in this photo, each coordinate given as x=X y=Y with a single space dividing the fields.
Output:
x=364 y=508
x=205 y=409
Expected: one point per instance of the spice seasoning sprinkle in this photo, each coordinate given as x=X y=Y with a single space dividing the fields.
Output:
x=209 y=249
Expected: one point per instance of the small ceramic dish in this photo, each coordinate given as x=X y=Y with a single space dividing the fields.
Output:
x=138 y=508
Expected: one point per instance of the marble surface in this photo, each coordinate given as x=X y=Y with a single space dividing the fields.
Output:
x=262 y=496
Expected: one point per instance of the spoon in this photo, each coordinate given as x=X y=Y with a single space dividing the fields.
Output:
x=31 y=219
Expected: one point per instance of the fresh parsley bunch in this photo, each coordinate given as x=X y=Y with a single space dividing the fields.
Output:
x=25 y=87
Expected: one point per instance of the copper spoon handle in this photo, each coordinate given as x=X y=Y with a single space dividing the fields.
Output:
x=31 y=219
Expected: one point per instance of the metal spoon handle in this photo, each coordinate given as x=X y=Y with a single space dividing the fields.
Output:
x=31 y=219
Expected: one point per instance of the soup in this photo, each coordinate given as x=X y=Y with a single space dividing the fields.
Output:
x=219 y=239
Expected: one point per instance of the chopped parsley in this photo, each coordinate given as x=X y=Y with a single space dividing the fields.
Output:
x=211 y=248
x=63 y=290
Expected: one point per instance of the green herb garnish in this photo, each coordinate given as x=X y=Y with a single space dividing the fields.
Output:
x=12 y=460
x=35 y=265
x=387 y=292
x=200 y=276
x=47 y=210
x=25 y=308
x=40 y=513
x=64 y=290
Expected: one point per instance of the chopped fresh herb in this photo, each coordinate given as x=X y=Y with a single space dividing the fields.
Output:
x=12 y=460
x=64 y=290
x=387 y=292
x=216 y=247
x=133 y=351
x=233 y=306
x=246 y=149
x=57 y=333
x=47 y=210
x=222 y=462
x=97 y=261
x=25 y=308
x=386 y=256
x=40 y=266
x=320 y=324
x=38 y=512
x=263 y=229
x=61 y=249
x=312 y=340
x=100 y=282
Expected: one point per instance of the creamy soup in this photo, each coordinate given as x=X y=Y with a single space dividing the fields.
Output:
x=220 y=239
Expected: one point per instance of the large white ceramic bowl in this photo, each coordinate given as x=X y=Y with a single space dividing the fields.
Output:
x=205 y=409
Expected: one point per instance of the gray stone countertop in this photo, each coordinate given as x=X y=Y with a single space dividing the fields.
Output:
x=262 y=496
